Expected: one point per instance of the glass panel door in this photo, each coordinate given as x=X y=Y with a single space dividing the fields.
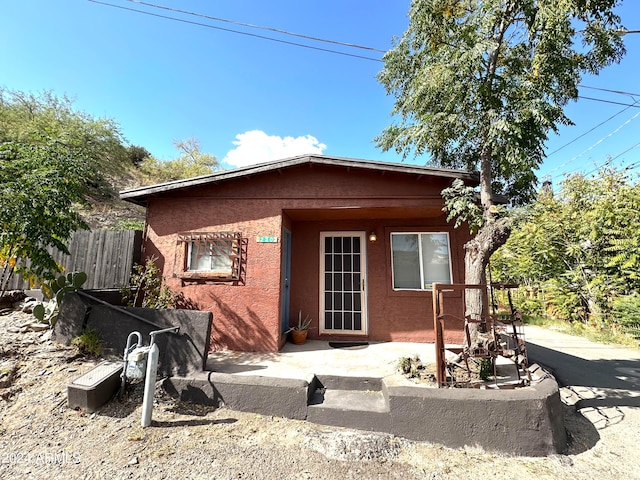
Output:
x=343 y=283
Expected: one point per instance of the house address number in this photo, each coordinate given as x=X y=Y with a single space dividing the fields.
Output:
x=267 y=239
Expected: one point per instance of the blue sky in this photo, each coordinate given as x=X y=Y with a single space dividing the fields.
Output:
x=249 y=99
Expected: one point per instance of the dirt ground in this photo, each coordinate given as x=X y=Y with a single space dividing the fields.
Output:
x=41 y=438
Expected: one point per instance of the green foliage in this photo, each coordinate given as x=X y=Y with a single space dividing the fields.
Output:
x=130 y=224
x=137 y=154
x=41 y=183
x=480 y=83
x=190 y=163
x=145 y=288
x=55 y=290
x=25 y=118
x=581 y=249
x=461 y=205
x=303 y=323
x=627 y=314
x=529 y=305
x=52 y=158
x=88 y=342
x=486 y=369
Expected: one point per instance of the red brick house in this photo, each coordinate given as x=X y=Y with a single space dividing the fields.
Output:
x=355 y=244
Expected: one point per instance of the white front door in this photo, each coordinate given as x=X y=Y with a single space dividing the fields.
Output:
x=343 y=298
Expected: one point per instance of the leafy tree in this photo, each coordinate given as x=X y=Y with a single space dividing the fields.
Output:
x=39 y=185
x=137 y=154
x=581 y=246
x=25 y=118
x=52 y=158
x=190 y=163
x=478 y=84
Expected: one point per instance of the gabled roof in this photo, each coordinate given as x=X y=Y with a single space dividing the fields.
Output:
x=141 y=194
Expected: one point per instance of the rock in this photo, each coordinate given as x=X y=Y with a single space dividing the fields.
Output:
x=27 y=307
x=8 y=371
x=39 y=327
x=45 y=337
x=134 y=461
x=9 y=298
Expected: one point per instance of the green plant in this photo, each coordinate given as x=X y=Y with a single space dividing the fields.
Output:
x=627 y=313
x=486 y=368
x=130 y=224
x=303 y=324
x=145 y=288
x=88 y=342
x=404 y=365
x=55 y=290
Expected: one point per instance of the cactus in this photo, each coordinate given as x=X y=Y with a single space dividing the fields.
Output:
x=54 y=291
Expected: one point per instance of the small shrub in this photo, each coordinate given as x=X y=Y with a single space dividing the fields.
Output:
x=88 y=342
x=486 y=369
x=626 y=314
x=404 y=365
x=145 y=288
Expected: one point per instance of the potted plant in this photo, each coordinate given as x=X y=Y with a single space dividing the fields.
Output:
x=299 y=332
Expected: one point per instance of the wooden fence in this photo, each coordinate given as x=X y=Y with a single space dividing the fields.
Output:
x=106 y=256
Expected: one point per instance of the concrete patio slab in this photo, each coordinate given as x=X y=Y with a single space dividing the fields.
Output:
x=375 y=360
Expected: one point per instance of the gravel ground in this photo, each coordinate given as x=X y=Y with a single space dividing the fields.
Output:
x=41 y=438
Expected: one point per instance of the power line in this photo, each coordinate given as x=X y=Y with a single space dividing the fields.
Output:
x=600 y=100
x=594 y=145
x=190 y=22
x=249 y=25
x=350 y=45
x=308 y=37
x=611 y=159
x=589 y=131
x=620 y=92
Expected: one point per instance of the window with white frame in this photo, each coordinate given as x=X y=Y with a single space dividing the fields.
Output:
x=420 y=259
x=211 y=256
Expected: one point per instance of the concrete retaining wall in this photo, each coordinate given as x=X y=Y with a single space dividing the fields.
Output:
x=181 y=354
x=280 y=397
x=526 y=421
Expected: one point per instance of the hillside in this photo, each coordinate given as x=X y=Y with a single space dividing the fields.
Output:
x=105 y=210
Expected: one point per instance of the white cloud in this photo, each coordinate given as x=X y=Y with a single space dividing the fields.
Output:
x=256 y=146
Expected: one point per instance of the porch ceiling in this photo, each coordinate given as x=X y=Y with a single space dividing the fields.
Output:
x=354 y=213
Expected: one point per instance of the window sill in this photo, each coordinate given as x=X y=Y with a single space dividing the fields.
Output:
x=194 y=275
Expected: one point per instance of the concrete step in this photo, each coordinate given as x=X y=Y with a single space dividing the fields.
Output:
x=335 y=382
x=359 y=409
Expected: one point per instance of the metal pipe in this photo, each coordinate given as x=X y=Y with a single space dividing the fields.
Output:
x=118 y=309
x=152 y=371
x=150 y=385
x=164 y=330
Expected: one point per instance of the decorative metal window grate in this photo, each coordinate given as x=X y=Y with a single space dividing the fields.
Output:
x=212 y=255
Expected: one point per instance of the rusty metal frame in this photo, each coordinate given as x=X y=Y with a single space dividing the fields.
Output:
x=234 y=240
x=491 y=322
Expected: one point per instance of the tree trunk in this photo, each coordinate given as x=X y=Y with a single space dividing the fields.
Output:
x=478 y=251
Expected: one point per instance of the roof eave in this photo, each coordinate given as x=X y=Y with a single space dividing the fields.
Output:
x=141 y=194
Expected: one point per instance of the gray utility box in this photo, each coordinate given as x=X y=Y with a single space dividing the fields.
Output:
x=90 y=391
